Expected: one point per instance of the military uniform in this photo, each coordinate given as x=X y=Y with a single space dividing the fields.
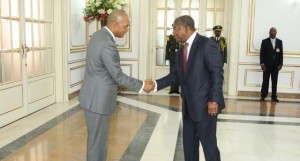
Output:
x=222 y=44
x=171 y=52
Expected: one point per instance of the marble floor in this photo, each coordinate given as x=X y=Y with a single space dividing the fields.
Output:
x=148 y=128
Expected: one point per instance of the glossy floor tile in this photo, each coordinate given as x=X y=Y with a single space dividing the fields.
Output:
x=149 y=128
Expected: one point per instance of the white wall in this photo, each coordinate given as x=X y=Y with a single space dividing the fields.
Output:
x=249 y=22
x=252 y=21
x=78 y=38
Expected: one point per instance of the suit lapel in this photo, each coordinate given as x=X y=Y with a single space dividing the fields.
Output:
x=191 y=53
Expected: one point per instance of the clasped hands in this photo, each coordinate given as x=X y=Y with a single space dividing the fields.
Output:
x=149 y=85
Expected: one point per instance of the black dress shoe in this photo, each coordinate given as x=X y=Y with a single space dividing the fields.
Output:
x=171 y=92
x=177 y=92
x=275 y=100
x=262 y=99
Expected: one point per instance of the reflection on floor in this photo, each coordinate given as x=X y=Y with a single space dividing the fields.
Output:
x=148 y=128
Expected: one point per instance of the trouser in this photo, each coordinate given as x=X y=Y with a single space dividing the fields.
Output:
x=273 y=71
x=98 y=128
x=203 y=131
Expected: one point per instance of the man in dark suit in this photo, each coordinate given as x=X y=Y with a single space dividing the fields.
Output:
x=171 y=52
x=103 y=74
x=199 y=71
x=271 y=59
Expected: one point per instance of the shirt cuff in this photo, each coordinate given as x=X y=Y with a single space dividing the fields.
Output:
x=155 y=89
x=141 y=90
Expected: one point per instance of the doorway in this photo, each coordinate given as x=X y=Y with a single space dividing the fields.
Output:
x=27 y=78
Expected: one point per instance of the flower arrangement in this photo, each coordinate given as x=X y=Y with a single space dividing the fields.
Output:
x=100 y=9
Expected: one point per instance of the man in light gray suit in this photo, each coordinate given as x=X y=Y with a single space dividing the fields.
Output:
x=103 y=74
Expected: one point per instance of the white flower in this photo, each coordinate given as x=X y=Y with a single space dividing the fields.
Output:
x=97 y=3
x=119 y=7
x=101 y=11
x=109 y=11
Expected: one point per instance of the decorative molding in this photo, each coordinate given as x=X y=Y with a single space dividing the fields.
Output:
x=130 y=67
x=123 y=44
x=77 y=67
x=76 y=84
x=246 y=76
x=257 y=64
x=251 y=51
x=288 y=86
x=76 y=61
x=258 y=94
x=78 y=47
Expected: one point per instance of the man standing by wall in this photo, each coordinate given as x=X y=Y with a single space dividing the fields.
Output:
x=271 y=60
x=221 y=42
x=171 y=52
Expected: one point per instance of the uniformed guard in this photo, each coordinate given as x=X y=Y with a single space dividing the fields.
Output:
x=221 y=42
x=171 y=52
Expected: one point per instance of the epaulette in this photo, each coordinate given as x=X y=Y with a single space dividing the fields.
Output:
x=167 y=38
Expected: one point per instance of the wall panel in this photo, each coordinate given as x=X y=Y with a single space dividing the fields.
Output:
x=256 y=20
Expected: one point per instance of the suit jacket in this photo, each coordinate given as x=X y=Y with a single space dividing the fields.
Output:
x=203 y=80
x=269 y=56
x=103 y=74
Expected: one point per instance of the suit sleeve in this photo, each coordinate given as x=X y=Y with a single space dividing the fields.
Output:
x=213 y=64
x=262 y=50
x=111 y=59
x=225 y=55
x=281 y=54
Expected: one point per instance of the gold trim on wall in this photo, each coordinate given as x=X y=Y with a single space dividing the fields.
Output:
x=83 y=47
x=290 y=86
x=76 y=84
x=257 y=64
x=246 y=76
x=77 y=67
x=129 y=33
x=76 y=61
x=286 y=53
x=128 y=36
x=130 y=67
x=79 y=82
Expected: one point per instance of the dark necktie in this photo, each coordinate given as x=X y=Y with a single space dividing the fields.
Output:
x=185 y=56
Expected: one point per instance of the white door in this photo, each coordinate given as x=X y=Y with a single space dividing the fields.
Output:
x=206 y=14
x=27 y=58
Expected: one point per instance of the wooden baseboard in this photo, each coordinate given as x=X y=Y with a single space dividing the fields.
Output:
x=279 y=95
x=73 y=95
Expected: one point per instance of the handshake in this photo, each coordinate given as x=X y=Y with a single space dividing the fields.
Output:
x=149 y=85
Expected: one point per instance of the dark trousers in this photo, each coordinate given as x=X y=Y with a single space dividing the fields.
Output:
x=174 y=87
x=273 y=71
x=205 y=132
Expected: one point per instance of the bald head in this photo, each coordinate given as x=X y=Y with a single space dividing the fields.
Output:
x=273 y=32
x=116 y=15
x=118 y=23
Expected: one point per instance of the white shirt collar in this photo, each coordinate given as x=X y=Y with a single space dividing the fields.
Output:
x=190 y=40
x=110 y=32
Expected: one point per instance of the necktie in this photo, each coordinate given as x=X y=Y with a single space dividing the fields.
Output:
x=185 y=56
